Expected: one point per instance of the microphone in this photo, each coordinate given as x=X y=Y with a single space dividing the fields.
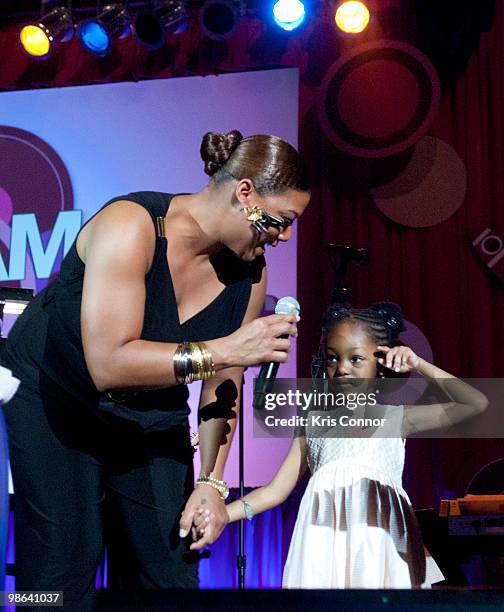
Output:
x=268 y=371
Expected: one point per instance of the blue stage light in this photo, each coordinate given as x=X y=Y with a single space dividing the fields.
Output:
x=94 y=38
x=289 y=14
x=97 y=35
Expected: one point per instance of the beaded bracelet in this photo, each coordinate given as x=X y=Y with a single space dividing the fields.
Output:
x=221 y=486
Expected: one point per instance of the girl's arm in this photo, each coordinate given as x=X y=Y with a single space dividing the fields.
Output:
x=466 y=401
x=279 y=488
x=263 y=498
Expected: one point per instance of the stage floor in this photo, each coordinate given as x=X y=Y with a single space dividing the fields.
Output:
x=314 y=600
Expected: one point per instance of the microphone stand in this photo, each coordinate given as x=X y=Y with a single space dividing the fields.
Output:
x=241 y=560
x=267 y=375
x=341 y=256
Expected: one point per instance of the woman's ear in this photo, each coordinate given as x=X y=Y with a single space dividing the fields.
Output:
x=243 y=191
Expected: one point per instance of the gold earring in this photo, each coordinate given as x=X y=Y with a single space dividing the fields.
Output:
x=254 y=213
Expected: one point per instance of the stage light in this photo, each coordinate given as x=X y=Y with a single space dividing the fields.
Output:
x=40 y=37
x=97 y=35
x=220 y=18
x=289 y=14
x=167 y=17
x=352 y=17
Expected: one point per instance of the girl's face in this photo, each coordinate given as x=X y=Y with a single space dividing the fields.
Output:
x=351 y=352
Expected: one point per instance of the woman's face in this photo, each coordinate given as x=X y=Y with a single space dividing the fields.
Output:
x=351 y=352
x=247 y=242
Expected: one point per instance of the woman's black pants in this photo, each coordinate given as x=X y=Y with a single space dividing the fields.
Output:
x=82 y=482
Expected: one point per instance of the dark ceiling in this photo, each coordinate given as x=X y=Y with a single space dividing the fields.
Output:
x=11 y=10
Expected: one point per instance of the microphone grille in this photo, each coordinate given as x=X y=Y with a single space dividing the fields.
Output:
x=288 y=305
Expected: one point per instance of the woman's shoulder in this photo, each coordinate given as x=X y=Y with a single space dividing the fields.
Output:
x=119 y=215
x=154 y=202
x=122 y=224
x=151 y=199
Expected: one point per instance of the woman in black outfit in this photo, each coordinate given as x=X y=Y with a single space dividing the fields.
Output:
x=158 y=290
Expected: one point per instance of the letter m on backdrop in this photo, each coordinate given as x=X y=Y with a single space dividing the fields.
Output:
x=25 y=233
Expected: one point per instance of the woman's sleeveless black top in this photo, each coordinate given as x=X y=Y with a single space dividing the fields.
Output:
x=44 y=348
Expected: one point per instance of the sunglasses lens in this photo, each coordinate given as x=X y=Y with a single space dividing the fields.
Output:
x=268 y=221
x=273 y=221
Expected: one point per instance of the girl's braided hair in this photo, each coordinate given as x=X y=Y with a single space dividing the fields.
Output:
x=383 y=321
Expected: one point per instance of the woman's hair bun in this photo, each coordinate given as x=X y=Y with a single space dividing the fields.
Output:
x=216 y=148
x=392 y=317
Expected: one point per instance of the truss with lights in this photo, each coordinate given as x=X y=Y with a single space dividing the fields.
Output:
x=152 y=24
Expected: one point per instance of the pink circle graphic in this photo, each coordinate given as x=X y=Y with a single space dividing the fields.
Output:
x=429 y=190
x=385 y=83
x=378 y=99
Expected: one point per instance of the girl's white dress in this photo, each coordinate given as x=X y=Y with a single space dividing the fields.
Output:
x=356 y=527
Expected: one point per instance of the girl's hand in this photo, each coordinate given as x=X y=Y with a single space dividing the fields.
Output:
x=399 y=358
x=201 y=520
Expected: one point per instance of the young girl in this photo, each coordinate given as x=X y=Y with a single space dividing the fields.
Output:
x=356 y=527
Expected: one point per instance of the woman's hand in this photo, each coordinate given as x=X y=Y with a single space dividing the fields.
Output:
x=203 y=519
x=399 y=358
x=206 y=502
x=258 y=341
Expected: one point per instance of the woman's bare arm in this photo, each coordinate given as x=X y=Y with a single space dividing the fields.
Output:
x=220 y=401
x=118 y=253
x=218 y=415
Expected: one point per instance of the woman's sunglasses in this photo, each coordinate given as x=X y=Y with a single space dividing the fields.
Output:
x=263 y=221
